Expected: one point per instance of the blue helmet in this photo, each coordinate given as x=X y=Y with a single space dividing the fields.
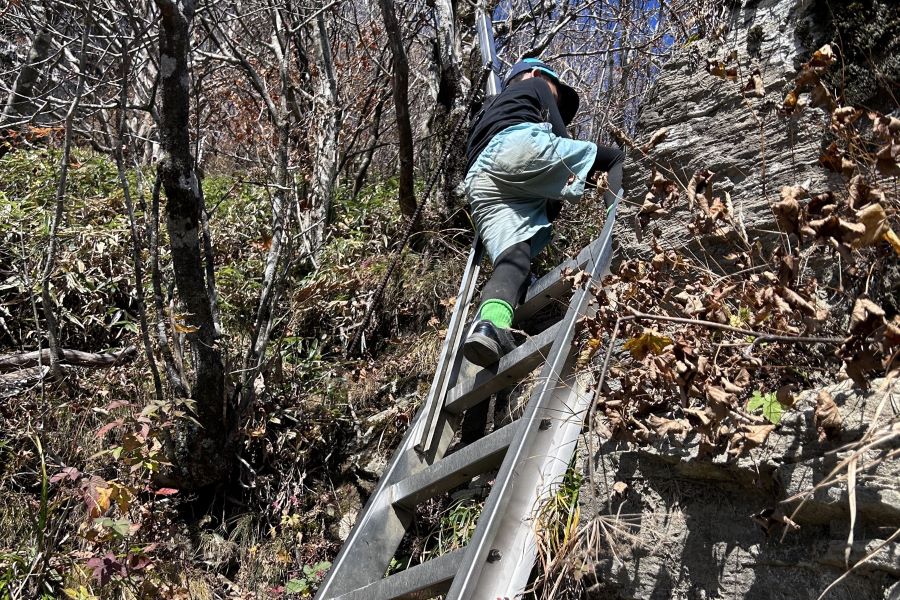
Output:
x=568 y=97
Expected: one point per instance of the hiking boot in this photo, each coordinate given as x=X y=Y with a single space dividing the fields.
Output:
x=486 y=344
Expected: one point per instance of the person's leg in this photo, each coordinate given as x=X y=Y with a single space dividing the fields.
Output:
x=610 y=160
x=502 y=291
x=490 y=338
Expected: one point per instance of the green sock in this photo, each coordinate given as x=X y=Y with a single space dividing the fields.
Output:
x=498 y=312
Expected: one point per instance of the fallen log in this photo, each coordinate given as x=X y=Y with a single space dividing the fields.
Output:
x=26 y=360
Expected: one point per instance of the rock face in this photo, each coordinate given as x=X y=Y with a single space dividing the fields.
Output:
x=713 y=529
x=712 y=124
x=693 y=528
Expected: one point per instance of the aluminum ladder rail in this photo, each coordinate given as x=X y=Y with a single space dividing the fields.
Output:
x=532 y=455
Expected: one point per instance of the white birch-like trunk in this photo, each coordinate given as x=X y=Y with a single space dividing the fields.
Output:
x=325 y=139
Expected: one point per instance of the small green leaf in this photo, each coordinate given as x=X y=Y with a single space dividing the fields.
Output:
x=297 y=586
x=122 y=527
x=771 y=407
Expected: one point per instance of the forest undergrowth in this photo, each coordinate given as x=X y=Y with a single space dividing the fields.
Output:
x=83 y=518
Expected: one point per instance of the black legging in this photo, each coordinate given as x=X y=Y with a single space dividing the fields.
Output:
x=510 y=275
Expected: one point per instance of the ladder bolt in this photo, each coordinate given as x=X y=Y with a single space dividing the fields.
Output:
x=545 y=424
x=494 y=555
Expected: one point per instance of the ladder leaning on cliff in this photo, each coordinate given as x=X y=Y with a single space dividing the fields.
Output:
x=532 y=453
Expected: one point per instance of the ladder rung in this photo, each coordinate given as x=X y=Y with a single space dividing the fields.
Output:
x=451 y=471
x=512 y=367
x=429 y=579
x=552 y=285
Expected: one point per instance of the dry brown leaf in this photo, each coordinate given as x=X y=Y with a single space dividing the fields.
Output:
x=874 y=220
x=822 y=57
x=888 y=160
x=840 y=230
x=790 y=101
x=845 y=115
x=717 y=396
x=787 y=215
x=754 y=85
x=749 y=436
x=730 y=387
x=861 y=193
x=658 y=136
x=797 y=301
x=698 y=190
x=828 y=416
x=649 y=342
x=705 y=416
x=884 y=126
x=835 y=159
x=820 y=97
x=757 y=434
x=866 y=316
x=890 y=340
x=860 y=365
x=576 y=278
x=662 y=426
x=821 y=204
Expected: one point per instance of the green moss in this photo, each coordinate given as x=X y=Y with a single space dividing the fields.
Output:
x=866 y=33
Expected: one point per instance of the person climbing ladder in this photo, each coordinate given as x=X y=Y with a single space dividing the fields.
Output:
x=521 y=166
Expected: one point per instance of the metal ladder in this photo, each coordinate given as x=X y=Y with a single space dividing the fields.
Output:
x=532 y=453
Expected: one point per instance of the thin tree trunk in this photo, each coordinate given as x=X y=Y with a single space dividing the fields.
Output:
x=21 y=99
x=200 y=456
x=46 y=300
x=174 y=369
x=118 y=144
x=401 y=106
x=363 y=170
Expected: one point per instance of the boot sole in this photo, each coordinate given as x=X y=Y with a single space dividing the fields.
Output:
x=481 y=350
